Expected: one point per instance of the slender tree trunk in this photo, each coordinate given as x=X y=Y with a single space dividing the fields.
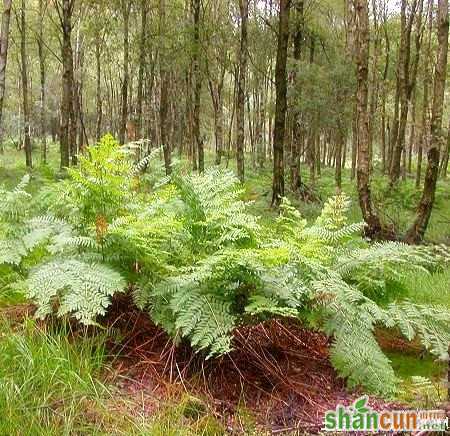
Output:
x=385 y=137
x=374 y=82
x=281 y=103
x=373 y=229
x=126 y=6
x=404 y=88
x=350 y=22
x=24 y=75
x=142 y=64
x=216 y=91
x=417 y=231
x=4 y=43
x=98 y=94
x=42 y=71
x=296 y=181
x=68 y=124
x=340 y=141
x=240 y=108
x=197 y=86
x=412 y=136
x=425 y=100
x=164 y=96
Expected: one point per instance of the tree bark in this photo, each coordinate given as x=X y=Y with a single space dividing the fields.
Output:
x=126 y=6
x=340 y=143
x=405 y=87
x=4 y=43
x=142 y=65
x=68 y=122
x=164 y=96
x=216 y=91
x=417 y=231
x=25 y=99
x=197 y=86
x=98 y=93
x=445 y=159
x=296 y=180
x=425 y=100
x=240 y=108
x=373 y=229
x=281 y=103
x=350 y=22
x=42 y=76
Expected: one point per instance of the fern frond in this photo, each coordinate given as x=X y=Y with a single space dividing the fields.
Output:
x=15 y=203
x=430 y=324
x=75 y=287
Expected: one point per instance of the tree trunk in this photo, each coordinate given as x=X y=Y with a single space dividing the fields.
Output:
x=384 y=122
x=405 y=87
x=98 y=94
x=4 y=43
x=340 y=141
x=417 y=231
x=445 y=159
x=296 y=180
x=216 y=91
x=42 y=71
x=164 y=96
x=425 y=100
x=240 y=108
x=281 y=103
x=197 y=86
x=142 y=65
x=350 y=21
x=24 y=75
x=68 y=122
x=412 y=136
x=373 y=229
x=126 y=6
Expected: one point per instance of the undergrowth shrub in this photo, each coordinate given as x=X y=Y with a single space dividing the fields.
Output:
x=201 y=265
x=324 y=274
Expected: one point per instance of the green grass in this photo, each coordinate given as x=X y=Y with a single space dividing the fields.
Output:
x=422 y=376
x=48 y=383
x=410 y=365
x=51 y=384
x=433 y=289
x=188 y=417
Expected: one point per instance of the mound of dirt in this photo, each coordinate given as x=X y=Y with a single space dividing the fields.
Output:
x=278 y=370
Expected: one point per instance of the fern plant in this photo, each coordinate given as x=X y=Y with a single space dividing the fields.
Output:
x=202 y=265
x=101 y=238
x=101 y=186
x=214 y=214
x=74 y=287
x=313 y=273
x=74 y=276
x=13 y=214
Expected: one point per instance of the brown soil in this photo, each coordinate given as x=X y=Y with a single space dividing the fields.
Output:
x=279 y=371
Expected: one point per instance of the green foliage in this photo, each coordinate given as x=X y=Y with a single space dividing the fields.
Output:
x=14 y=203
x=214 y=215
x=101 y=185
x=202 y=265
x=47 y=380
x=70 y=278
x=12 y=216
x=77 y=288
x=322 y=274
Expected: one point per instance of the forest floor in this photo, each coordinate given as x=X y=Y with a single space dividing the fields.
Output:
x=129 y=379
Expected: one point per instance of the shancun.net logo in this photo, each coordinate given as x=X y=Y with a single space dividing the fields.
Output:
x=360 y=417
